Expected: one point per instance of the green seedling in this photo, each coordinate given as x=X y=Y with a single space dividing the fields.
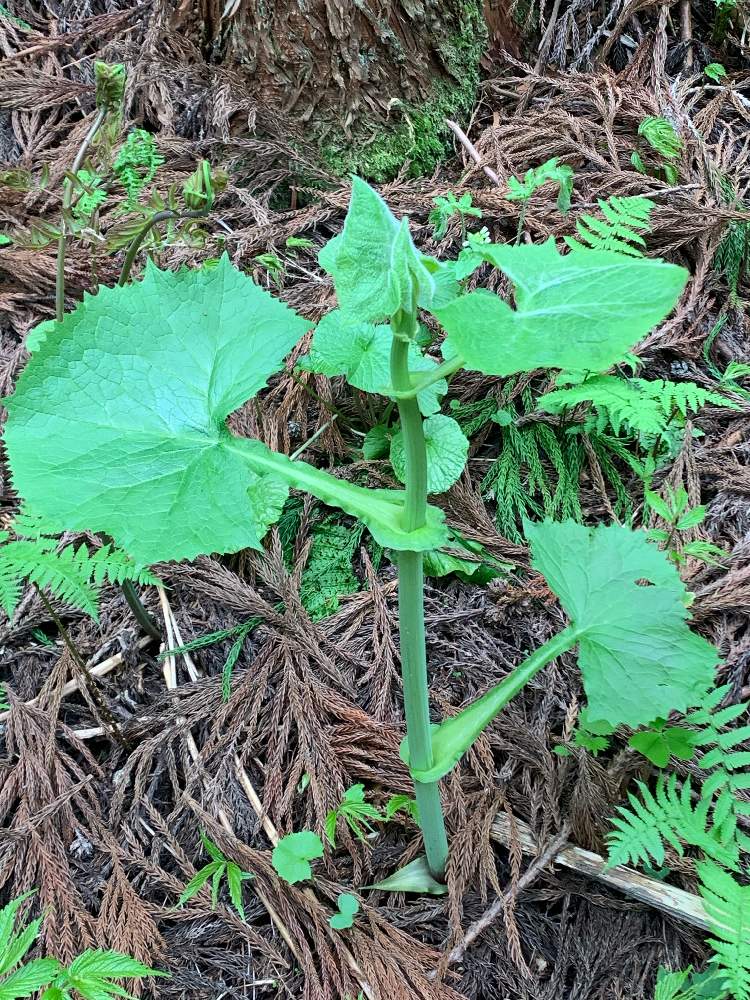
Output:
x=348 y=909
x=355 y=812
x=551 y=171
x=292 y=855
x=444 y=208
x=715 y=72
x=404 y=804
x=680 y=518
x=218 y=869
x=156 y=443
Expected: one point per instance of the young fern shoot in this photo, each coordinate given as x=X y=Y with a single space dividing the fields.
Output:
x=153 y=464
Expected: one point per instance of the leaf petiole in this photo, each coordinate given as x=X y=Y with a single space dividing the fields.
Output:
x=442 y=371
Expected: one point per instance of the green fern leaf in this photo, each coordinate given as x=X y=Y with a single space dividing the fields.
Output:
x=136 y=163
x=625 y=220
x=661 y=136
x=666 y=816
x=72 y=574
x=727 y=905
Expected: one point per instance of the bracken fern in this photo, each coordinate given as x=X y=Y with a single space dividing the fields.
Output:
x=621 y=229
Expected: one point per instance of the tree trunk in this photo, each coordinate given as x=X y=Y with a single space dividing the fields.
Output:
x=371 y=80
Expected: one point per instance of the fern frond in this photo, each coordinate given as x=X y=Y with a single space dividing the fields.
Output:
x=667 y=816
x=328 y=574
x=637 y=405
x=72 y=574
x=625 y=219
x=661 y=136
x=727 y=905
x=136 y=163
x=732 y=257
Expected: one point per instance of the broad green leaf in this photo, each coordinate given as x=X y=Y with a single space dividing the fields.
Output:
x=480 y=569
x=377 y=443
x=414 y=877
x=102 y=964
x=38 y=334
x=118 y=422
x=292 y=855
x=374 y=264
x=637 y=655
x=344 y=345
x=581 y=310
x=348 y=908
x=26 y=981
x=447 y=448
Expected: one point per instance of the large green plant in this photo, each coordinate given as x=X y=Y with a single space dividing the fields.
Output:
x=118 y=425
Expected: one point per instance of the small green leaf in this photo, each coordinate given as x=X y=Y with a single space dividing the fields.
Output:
x=235 y=878
x=5 y=240
x=582 y=310
x=636 y=653
x=292 y=855
x=344 y=345
x=414 y=877
x=692 y=518
x=715 y=72
x=348 y=908
x=374 y=264
x=402 y=803
x=447 y=448
x=211 y=849
x=31 y=977
x=198 y=880
x=377 y=443
x=659 y=744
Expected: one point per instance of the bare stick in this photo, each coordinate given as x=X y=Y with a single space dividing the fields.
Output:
x=471 y=150
x=676 y=902
x=491 y=914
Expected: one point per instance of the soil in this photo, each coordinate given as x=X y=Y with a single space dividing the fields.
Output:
x=101 y=810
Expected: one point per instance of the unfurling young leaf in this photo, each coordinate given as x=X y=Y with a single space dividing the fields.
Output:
x=342 y=345
x=292 y=855
x=584 y=310
x=110 y=85
x=348 y=909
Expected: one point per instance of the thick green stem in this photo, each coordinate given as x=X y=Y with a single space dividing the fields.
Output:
x=62 y=243
x=411 y=604
x=142 y=616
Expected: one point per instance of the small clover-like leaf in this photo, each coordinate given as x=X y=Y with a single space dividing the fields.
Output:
x=344 y=345
x=637 y=654
x=447 y=448
x=581 y=310
x=292 y=855
x=348 y=908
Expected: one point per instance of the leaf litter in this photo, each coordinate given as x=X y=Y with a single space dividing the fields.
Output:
x=110 y=835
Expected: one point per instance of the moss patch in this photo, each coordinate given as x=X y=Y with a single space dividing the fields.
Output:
x=418 y=133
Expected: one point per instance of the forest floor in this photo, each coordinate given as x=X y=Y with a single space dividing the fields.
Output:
x=106 y=826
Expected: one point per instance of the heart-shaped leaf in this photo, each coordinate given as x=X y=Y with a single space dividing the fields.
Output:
x=348 y=909
x=292 y=855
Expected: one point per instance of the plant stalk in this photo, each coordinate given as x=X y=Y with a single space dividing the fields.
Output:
x=411 y=603
x=67 y=199
x=135 y=244
x=140 y=614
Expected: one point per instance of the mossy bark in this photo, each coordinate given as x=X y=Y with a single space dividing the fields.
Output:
x=369 y=81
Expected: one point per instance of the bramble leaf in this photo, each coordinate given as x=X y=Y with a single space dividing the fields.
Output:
x=374 y=264
x=584 y=310
x=29 y=978
x=292 y=855
x=447 y=448
x=637 y=655
x=118 y=422
x=343 y=345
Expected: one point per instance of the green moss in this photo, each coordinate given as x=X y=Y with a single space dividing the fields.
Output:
x=419 y=133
